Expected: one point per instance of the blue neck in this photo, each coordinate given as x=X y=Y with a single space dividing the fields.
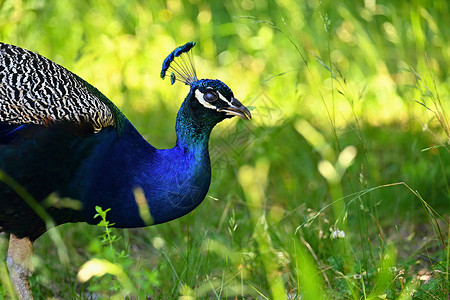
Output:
x=174 y=181
x=191 y=133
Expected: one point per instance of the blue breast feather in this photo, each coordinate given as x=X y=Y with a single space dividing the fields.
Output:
x=175 y=180
x=101 y=169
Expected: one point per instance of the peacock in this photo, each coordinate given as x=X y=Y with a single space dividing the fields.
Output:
x=62 y=138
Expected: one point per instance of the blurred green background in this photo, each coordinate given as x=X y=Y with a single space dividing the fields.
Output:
x=350 y=136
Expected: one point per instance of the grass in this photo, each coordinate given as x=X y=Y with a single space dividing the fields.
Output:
x=337 y=189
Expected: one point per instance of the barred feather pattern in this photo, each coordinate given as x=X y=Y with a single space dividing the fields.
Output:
x=35 y=90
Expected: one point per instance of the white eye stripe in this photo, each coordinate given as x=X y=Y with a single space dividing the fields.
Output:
x=199 y=96
x=224 y=99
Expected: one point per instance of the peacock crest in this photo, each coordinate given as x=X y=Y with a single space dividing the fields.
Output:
x=180 y=62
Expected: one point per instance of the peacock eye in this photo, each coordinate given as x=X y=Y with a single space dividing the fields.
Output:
x=210 y=96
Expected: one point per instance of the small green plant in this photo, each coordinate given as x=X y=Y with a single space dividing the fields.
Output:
x=113 y=264
x=108 y=238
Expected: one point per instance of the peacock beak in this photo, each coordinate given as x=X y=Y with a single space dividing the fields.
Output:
x=237 y=109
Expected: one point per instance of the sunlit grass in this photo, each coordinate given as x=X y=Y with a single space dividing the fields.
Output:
x=339 y=187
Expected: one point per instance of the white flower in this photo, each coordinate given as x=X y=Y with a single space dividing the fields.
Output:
x=393 y=269
x=338 y=234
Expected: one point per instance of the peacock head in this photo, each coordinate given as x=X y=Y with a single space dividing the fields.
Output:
x=210 y=100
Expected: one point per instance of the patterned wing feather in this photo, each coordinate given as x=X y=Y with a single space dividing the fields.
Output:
x=36 y=90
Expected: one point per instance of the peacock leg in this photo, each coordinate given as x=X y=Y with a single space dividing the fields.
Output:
x=19 y=265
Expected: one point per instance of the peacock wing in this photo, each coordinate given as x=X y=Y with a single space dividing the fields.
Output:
x=35 y=90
